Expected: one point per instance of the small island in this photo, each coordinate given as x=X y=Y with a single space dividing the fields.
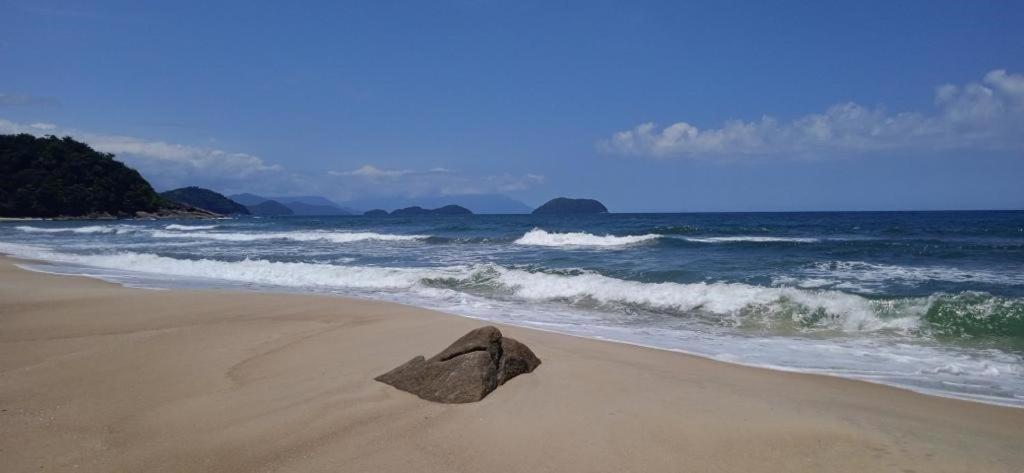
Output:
x=564 y=205
x=418 y=211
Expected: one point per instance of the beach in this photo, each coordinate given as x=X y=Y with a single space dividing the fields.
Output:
x=99 y=377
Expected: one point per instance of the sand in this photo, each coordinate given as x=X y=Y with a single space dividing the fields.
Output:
x=98 y=377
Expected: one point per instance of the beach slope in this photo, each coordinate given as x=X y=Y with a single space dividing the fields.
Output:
x=97 y=377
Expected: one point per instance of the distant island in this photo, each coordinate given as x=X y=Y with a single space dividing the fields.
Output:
x=563 y=205
x=446 y=210
x=375 y=213
x=205 y=199
x=51 y=177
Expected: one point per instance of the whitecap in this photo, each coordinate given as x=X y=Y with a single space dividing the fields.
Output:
x=538 y=237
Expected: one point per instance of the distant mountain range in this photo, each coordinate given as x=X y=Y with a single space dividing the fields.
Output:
x=299 y=205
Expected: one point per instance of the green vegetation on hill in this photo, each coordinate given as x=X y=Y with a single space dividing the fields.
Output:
x=205 y=199
x=52 y=177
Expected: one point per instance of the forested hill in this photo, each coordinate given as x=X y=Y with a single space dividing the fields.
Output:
x=53 y=177
x=205 y=199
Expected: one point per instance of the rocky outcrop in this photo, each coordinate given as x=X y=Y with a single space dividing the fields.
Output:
x=563 y=205
x=466 y=371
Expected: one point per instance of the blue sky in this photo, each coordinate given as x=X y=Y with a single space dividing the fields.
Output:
x=648 y=106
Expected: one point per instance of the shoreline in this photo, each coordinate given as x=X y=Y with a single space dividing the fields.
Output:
x=987 y=400
x=237 y=381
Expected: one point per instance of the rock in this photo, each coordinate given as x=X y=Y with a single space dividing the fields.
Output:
x=562 y=205
x=516 y=359
x=375 y=213
x=467 y=371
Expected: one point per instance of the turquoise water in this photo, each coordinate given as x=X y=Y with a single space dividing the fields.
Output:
x=931 y=301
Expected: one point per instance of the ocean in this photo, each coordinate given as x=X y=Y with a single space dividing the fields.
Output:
x=929 y=301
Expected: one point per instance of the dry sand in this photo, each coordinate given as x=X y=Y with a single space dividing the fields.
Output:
x=97 y=377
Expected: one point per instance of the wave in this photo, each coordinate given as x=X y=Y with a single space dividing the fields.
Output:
x=538 y=237
x=334 y=237
x=186 y=228
x=737 y=305
x=111 y=229
x=751 y=239
x=883 y=274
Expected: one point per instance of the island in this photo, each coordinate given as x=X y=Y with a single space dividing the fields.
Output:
x=564 y=205
x=417 y=211
x=375 y=213
x=205 y=199
x=51 y=177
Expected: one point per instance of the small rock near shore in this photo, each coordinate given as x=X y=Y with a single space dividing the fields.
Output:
x=467 y=371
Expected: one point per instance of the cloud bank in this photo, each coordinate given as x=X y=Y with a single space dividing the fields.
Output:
x=985 y=115
x=168 y=164
x=373 y=180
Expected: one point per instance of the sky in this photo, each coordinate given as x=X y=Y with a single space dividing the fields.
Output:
x=646 y=106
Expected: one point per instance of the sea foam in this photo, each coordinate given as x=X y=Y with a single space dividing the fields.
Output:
x=538 y=237
x=186 y=228
x=334 y=237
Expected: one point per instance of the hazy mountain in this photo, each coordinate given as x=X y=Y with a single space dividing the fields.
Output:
x=269 y=208
x=299 y=205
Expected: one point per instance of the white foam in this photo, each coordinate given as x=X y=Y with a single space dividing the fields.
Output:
x=752 y=239
x=186 y=228
x=847 y=312
x=334 y=237
x=112 y=229
x=538 y=237
x=881 y=274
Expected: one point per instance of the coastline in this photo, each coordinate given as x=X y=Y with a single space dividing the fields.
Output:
x=99 y=377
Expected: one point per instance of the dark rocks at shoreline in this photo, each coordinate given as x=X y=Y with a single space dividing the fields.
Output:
x=467 y=371
x=563 y=205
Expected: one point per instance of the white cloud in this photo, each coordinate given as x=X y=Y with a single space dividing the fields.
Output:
x=980 y=115
x=167 y=163
x=373 y=180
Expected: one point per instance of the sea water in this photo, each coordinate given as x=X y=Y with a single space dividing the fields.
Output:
x=930 y=301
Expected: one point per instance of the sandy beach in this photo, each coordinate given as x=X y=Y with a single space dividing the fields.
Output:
x=98 y=377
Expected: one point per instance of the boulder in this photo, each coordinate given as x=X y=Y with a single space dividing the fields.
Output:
x=467 y=371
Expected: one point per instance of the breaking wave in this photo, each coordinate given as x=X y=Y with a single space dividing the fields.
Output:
x=334 y=237
x=538 y=237
x=111 y=229
x=772 y=309
x=186 y=228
